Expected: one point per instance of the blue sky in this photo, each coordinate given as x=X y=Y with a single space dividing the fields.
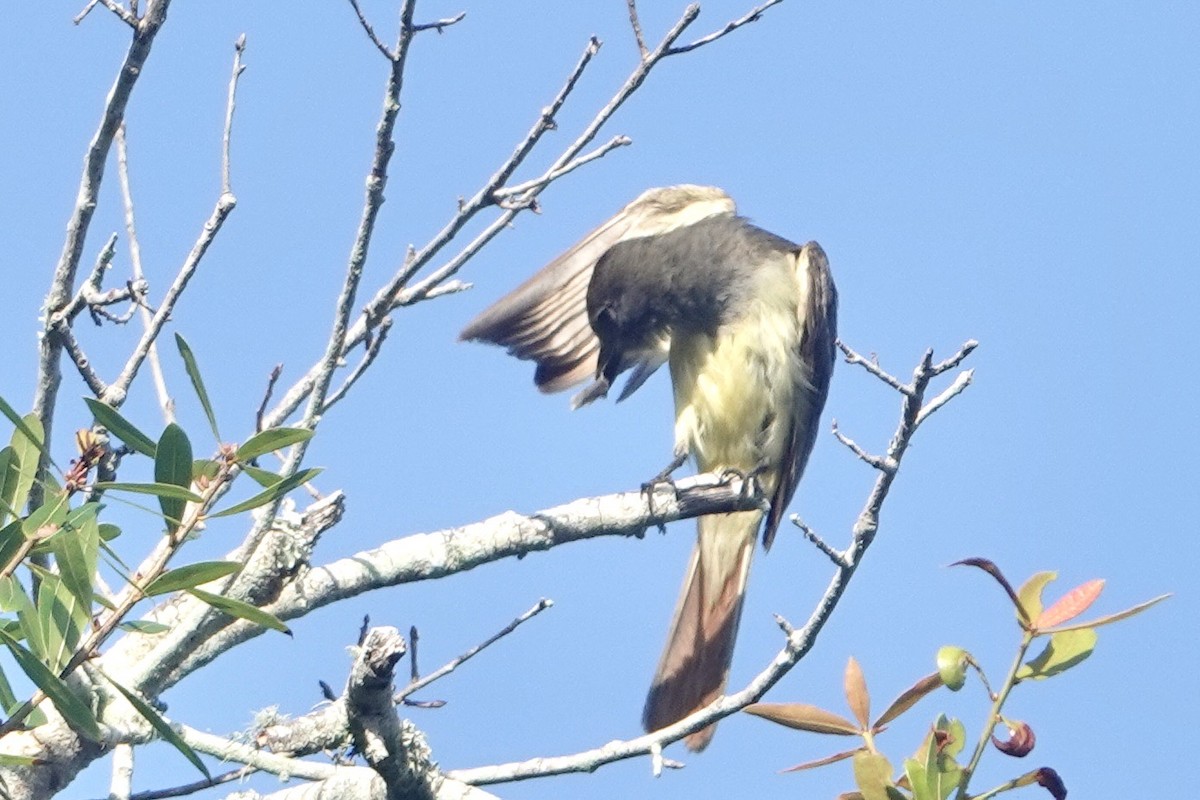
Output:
x=1020 y=173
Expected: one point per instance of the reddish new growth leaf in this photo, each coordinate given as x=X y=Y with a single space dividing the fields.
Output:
x=856 y=693
x=991 y=569
x=1049 y=780
x=1070 y=605
x=1020 y=740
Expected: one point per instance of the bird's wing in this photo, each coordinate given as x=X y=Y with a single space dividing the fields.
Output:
x=545 y=318
x=817 y=351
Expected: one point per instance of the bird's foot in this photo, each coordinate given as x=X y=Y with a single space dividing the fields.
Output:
x=664 y=477
x=750 y=484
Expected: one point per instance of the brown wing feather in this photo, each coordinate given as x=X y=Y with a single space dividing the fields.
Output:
x=818 y=348
x=545 y=318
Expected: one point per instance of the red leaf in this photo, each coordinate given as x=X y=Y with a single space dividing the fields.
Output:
x=1020 y=740
x=1070 y=605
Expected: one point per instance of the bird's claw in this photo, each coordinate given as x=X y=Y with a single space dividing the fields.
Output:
x=664 y=477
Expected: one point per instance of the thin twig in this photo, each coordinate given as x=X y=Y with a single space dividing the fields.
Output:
x=221 y=211
x=637 y=28
x=272 y=379
x=373 y=348
x=878 y=462
x=127 y=17
x=420 y=683
x=165 y=403
x=872 y=366
x=751 y=16
x=370 y=31
x=411 y=297
x=75 y=352
x=90 y=290
x=441 y=24
x=239 y=47
x=835 y=555
x=196 y=786
x=518 y=189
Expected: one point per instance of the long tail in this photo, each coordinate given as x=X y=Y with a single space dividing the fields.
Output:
x=695 y=663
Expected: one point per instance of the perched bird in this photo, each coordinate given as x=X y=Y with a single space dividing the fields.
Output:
x=746 y=321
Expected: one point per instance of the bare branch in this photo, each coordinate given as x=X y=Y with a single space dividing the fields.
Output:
x=374 y=345
x=420 y=683
x=129 y=18
x=637 y=28
x=115 y=395
x=239 y=47
x=75 y=352
x=882 y=464
x=229 y=750
x=956 y=359
x=165 y=403
x=272 y=379
x=411 y=297
x=122 y=773
x=751 y=16
x=835 y=555
x=960 y=383
x=441 y=24
x=872 y=366
x=370 y=31
x=50 y=347
x=195 y=786
x=539 y=183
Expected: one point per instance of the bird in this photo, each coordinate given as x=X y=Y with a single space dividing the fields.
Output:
x=747 y=323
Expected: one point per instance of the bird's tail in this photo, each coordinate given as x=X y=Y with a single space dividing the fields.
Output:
x=695 y=663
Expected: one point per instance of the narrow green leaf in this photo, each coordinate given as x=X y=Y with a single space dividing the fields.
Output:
x=108 y=531
x=18 y=761
x=1110 y=618
x=173 y=464
x=237 y=608
x=27 y=616
x=25 y=461
x=190 y=576
x=63 y=619
x=271 y=439
x=145 y=626
x=121 y=428
x=1064 y=650
x=161 y=725
x=8 y=700
x=270 y=493
x=48 y=517
x=205 y=468
x=70 y=705
x=76 y=551
x=9 y=469
x=32 y=432
x=11 y=538
x=263 y=477
x=160 y=490
x=193 y=371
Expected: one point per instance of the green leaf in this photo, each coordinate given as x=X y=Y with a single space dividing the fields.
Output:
x=873 y=774
x=76 y=550
x=27 y=616
x=71 y=706
x=23 y=465
x=1029 y=596
x=108 y=531
x=11 y=539
x=63 y=619
x=205 y=468
x=173 y=465
x=120 y=427
x=270 y=493
x=190 y=576
x=160 y=490
x=161 y=726
x=237 y=608
x=1109 y=618
x=29 y=427
x=263 y=477
x=145 y=626
x=51 y=514
x=193 y=371
x=17 y=761
x=270 y=440
x=1064 y=650
x=8 y=700
x=8 y=483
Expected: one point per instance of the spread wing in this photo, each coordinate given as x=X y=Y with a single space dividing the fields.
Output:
x=545 y=318
x=817 y=351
